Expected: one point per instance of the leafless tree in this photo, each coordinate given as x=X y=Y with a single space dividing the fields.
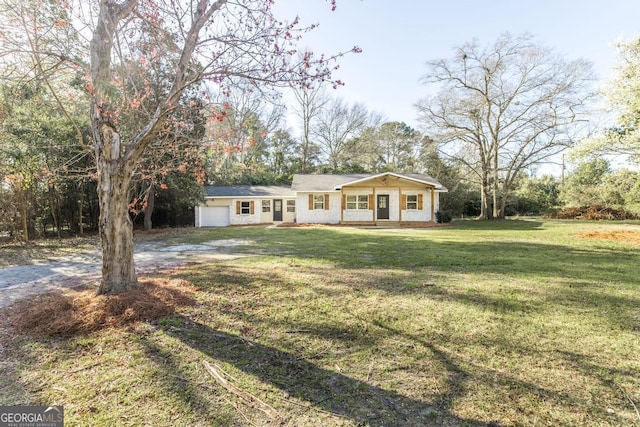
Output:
x=336 y=129
x=503 y=108
x=310 y=101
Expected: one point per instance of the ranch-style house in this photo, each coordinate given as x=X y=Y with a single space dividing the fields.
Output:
x=354 y=199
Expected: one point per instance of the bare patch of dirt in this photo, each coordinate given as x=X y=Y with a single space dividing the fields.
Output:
x=626 y=236
x=74 y=312
x=43 y=250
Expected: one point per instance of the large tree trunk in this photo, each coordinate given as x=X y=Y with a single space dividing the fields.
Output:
x=496 y=184
x=114 y=170
x=485 y=196
x=505 y=192
x=116 y=228
x=495 y=195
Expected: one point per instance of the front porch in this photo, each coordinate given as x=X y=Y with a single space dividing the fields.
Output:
x=390 y=224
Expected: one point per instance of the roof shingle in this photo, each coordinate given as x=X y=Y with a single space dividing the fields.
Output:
x=248 y=191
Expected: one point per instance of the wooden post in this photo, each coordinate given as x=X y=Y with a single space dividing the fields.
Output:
x=343 y=205
x=400 y=205
x=433 y=219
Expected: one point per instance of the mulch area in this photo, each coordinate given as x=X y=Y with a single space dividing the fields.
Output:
x=626 y=236
x=77 y=312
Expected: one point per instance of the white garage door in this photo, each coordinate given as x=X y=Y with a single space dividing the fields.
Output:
x=217 y=216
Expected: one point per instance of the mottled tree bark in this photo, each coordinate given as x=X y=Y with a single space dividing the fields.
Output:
x=114 y=171
x=116 y=231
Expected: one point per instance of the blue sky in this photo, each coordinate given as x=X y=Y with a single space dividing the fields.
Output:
x=398 y=37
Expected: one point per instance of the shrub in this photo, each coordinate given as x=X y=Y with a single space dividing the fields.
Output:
x=444 y=216
x=595 y=213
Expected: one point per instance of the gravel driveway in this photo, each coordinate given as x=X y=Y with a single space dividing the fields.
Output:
x=25 y=280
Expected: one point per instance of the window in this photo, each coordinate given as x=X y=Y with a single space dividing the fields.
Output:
x=359 y=201
x=318 y=201
x=244 y=208
x=266 y=206
x=291 y=205
x=412 y=201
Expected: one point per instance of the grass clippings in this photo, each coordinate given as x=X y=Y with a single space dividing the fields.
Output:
x=72 y=313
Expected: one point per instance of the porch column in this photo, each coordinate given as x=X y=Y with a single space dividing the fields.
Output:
x=433 y=218
x=374 y=211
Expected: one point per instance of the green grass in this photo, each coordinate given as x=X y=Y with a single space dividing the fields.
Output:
x=503 y=323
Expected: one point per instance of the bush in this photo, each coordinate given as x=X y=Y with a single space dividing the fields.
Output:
x=595 y=213
x=444 y=216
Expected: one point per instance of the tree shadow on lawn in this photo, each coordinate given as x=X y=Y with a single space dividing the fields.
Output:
x=576 y=296
x=506 y=380
x=349 y=398
x=623 y=382
x=364 y=332
x=366 y=404
x=199 y=400
x=501 y=224
x=598 y=280
x=409 y=252
x=620 y=312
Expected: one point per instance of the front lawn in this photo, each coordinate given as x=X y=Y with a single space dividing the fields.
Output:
x=507 y=323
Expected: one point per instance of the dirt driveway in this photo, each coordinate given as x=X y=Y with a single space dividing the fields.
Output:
x=83 y=268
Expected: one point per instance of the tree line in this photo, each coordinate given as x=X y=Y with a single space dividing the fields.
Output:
x=50 y=184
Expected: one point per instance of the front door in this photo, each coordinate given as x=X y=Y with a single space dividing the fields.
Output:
x=277 y=210
x=383 y=206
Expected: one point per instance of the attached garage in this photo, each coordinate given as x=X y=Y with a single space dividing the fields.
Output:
x=212 y=216
x=244 y=205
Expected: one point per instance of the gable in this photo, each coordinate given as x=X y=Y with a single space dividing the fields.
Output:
x=318 y=182
x=322 y=182
x=387 y=181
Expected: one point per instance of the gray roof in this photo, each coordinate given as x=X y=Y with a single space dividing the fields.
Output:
x=320 y=182
x=248 y=191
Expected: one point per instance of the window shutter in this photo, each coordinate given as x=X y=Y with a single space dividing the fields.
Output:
x=419 y=202
x=371 y=202
x=403 y=202
x=344 y=201
x=310 y=202
x=326 y=202
x=251 y=207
